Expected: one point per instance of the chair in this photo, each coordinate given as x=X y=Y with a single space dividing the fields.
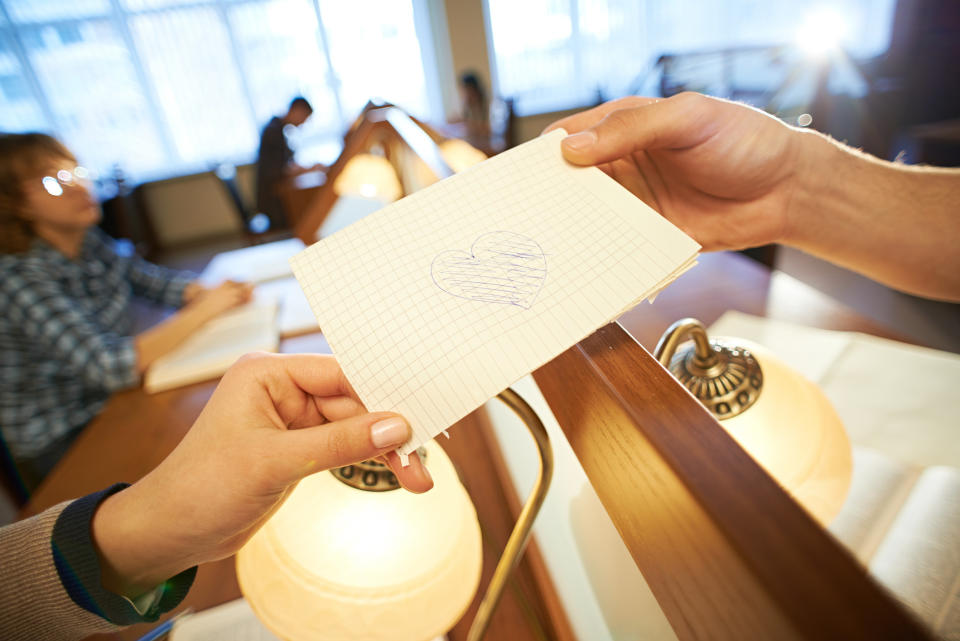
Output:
x=189 y=209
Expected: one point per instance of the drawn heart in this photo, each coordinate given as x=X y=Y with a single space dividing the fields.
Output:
x=501 y=267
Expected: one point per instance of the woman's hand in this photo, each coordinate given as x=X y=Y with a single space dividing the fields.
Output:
x=722 y=172
x=210 y=303
x=272 y=420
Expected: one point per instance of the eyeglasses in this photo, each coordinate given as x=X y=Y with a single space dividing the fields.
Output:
x=54 y=184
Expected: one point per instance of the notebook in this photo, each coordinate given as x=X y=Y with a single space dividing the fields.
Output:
x=256 y=264
x=437 y=302
x=215 y=347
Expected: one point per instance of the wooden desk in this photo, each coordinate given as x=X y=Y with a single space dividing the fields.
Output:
x=136 y=431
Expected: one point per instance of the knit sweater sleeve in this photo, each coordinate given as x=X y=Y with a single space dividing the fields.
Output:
x=51 y=578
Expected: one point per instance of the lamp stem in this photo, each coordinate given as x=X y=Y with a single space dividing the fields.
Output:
x=521 y=530
x=679 y=332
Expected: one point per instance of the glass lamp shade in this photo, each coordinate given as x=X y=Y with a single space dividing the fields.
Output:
x=460 y=154
x=371 y=176
x=793 y=431
x=337 y=563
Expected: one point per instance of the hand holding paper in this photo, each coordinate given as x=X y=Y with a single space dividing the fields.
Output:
x=441 y=300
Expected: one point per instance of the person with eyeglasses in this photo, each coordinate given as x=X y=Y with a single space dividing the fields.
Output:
x=66 y=341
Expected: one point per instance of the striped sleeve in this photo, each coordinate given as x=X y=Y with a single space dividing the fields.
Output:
x=51 y=578
x=44 y=312
x=78 y=566
x=159 y=284
x=153 y=282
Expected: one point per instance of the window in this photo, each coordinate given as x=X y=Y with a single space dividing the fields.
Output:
x=279 y=46
x=19 y=109
x=159 y=87
x=557 y=54
x=90 y=88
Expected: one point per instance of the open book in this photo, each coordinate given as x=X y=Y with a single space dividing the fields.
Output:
x=898 y=403
x=265 y=266
x=215 y=347
x=903 y=523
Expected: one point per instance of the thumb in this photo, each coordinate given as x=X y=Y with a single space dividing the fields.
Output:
x=303 y=451
x=671 y=123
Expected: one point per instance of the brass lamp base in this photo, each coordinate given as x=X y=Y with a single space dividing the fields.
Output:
x=373 y=476
x=726 y=378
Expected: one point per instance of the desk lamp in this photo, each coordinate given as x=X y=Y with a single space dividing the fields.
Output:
x=371 y=176
x=780 y=418
x=350 y=556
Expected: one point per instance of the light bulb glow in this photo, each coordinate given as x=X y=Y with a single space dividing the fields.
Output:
x=336 y=563
x=821 y=32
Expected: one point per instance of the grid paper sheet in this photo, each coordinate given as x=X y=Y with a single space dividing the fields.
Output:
x=436 y=303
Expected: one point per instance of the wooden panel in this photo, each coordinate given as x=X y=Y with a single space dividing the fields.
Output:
x=726 y=552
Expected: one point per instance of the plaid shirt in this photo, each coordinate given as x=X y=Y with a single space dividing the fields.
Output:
x=65 y=335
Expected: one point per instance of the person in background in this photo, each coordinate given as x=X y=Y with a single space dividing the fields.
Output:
x=476 y=107
x=733 y=177
x=65 y=327
x=128 y=554
x=275 y=161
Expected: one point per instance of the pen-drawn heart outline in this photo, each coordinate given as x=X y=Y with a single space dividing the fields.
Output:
x=501 y=267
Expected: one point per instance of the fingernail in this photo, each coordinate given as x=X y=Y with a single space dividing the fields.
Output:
x=389 y=431
x=581 y=140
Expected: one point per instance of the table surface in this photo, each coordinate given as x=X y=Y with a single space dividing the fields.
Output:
x=136 y=431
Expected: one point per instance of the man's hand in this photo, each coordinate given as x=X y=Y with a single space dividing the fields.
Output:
x=731 y=177
x=722 y=172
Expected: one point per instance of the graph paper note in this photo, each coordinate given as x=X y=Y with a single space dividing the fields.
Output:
x=438 y=302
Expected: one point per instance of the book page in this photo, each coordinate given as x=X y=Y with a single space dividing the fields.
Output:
x=898 y=399
x=233 y=620
x=438 y=302
x=878 y=489
x=214 y=347
x=256 y=264
x=919 y=560
x=294 y=315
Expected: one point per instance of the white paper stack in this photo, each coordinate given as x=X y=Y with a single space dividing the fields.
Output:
x=438 y=302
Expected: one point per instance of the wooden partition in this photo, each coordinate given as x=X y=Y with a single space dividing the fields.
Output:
x=727 y=553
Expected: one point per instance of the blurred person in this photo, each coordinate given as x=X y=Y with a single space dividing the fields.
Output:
x=275 y=161
x=475 y=106
x=65 y=328
x=733 y=177
x=128 y=554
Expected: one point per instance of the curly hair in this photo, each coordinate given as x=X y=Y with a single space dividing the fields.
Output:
x=21 y=156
